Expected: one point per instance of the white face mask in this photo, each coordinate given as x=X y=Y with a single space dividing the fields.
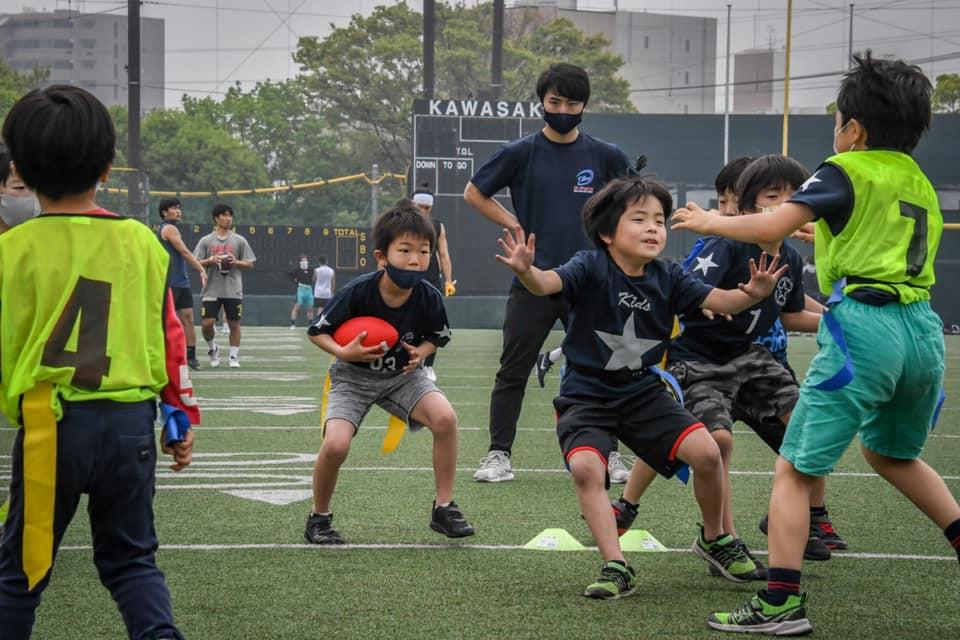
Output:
x=838 y=132
x=304 y=264
x=14 y=209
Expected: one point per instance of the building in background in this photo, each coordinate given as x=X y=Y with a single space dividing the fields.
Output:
x=670 y=59
x=754 y=90
x=86 y=50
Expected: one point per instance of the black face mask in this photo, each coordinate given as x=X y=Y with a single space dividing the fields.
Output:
x=562 y=123
x=404 y=278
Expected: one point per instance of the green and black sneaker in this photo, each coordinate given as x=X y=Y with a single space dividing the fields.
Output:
x=760 y=573
x=616 y=581
x=759 y=616
x=727 y=556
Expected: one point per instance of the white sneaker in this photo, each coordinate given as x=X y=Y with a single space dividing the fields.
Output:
x=617 y=468
x=431 y=374
x=494 y=467
x=292 y=327
x=214 y=354
x=235 y=364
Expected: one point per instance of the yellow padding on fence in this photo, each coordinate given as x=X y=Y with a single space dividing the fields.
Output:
x=316 y=184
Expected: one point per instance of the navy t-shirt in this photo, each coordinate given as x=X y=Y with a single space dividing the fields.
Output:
x=549 y=184
x=421 y=317
x=724 y=263
x=177 y=273
x=620 y=325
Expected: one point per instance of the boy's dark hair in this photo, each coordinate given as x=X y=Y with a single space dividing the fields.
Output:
x=219 y=208
x=61 y=140
x=167 y=203
x=567 y=80
x=890 y=98
x=728 y=176
x=400 y=219
x=4 y=164
x=322 y=259
x=772 y=171
x=602 y=212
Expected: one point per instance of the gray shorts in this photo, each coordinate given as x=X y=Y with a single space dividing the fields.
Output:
x=758 y=384
x=353 y=390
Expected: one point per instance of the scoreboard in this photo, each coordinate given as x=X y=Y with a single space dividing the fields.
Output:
x=451 y=140
x=278 y=249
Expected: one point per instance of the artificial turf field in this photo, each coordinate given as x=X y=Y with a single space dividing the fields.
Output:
x=232 y=547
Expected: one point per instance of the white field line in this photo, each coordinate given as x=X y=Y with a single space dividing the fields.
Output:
x=479 y=547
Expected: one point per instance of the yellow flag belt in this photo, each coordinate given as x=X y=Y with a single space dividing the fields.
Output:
x=39 y=481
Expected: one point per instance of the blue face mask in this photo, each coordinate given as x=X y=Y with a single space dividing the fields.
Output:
x=562 y=123
x=405 y=278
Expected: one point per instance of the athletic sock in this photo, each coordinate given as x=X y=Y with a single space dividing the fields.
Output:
x=234 y=352
x=628 y=503
x=555 y=355
x=191 y=352
x=782 y=583
x=818 y=511
x=212 y=342
x=952 y=532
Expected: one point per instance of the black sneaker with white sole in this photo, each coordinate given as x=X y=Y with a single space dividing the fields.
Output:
x=450 y=521
x=320 y=530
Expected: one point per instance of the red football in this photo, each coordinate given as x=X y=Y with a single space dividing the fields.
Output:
x=378 y=330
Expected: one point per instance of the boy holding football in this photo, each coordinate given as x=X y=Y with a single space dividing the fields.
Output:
x=390 y=377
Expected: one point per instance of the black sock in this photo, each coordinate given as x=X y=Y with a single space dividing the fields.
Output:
x=818 y=511
x=191 y=352
x=952 y=532
x=781 y=583
x=628 y=503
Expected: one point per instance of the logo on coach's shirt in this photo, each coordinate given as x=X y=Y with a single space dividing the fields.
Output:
x=631 y=301
x=584 y=181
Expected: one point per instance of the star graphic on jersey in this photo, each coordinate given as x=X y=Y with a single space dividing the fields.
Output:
x=445 y=332
x=811 y=180
x=627 y=348
x=705 y=264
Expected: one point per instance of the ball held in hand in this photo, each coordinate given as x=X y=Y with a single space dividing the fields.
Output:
x=378 y=331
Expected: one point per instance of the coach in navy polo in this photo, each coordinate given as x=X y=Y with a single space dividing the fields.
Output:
x=551 y=174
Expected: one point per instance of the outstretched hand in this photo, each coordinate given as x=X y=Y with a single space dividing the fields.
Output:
x=692 y=217
x=518 y=250
x=763 y=279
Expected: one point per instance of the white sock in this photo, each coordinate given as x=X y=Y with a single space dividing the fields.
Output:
x=234 y=352
x=555 y=355
x=212 y=343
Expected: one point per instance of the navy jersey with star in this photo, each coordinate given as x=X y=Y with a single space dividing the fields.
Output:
x=549 y=184
x=619 y=325
x=421 y=317
x=724 y=263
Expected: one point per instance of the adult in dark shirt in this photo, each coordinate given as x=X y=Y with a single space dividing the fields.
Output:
x=171 y=212
x=550 y=174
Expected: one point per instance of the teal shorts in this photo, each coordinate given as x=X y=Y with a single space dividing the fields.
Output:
x=898 y=358
x=305 y=295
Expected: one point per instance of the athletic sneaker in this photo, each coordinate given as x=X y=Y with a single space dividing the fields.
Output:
x=194 y=364
x=617 y=580
x=320 y=530
x=430 y=373
x=759 y=616
x=494 y=467
x=543 y=367
x=214 y=354
x=726 y=555
x=617 y=468
x=292 y=326
x=759 y=574
x=625 y=513
x=815 y=550
x=825 y=531
x=234 y=362
x=450 y=521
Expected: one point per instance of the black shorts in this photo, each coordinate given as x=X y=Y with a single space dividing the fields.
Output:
x=182 y=298
x=320 y=302
x=232 y=307
x=754 y=384
x=651 y=423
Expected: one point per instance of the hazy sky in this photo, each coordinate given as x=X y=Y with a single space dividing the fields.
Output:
x=210 y=44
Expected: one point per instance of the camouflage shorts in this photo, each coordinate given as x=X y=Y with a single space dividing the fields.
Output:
x=754 y=382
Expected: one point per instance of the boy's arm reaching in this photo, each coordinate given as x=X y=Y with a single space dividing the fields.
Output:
x=765 y=229
x=519 y=251
x=763 y=279
x=805 y=321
